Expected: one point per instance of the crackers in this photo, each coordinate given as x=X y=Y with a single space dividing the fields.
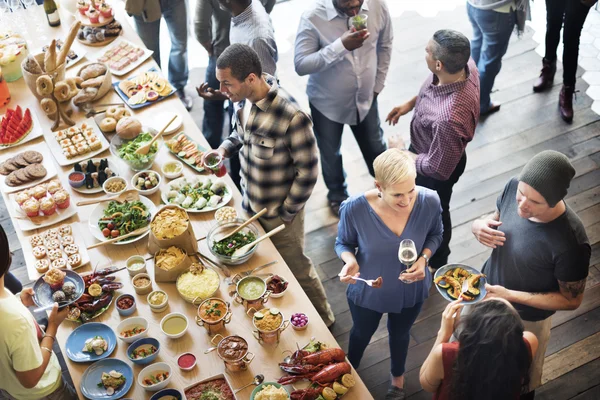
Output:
x=23 y=168
x=169 y=223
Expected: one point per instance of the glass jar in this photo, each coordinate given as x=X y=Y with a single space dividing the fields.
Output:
x=4 y=92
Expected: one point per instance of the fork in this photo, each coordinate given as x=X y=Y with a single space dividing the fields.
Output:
x=367 y=281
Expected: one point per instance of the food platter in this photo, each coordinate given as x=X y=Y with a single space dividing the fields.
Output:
x=42 y=293
x=76 y=341
x=212 y=378
x=58 y=151
x=92 y=376
x=458 y=268
x=98 y=213
x=36 y=132
x=195 y=182
x=114 y=167
x=127 y=99
x=181 y=144
x=142 y=55
x=47 y=162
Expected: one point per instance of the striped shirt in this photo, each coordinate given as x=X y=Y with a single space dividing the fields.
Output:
x=444 y=121
x=278 y=154
x=253 y=28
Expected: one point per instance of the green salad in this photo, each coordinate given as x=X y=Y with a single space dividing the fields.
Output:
x=138 y=161
x=121 y=218
x=227 y=246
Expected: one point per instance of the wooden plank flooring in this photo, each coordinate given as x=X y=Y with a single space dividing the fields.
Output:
x=504 y=142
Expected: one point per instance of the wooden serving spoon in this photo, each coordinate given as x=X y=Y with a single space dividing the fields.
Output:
x=143 y=150
x=137 y=232
x=242 y=226
x=246 y=248
x=128 y=195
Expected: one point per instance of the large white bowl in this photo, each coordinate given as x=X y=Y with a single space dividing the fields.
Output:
x=98 y=213
x=149 y=370
x=130 y=323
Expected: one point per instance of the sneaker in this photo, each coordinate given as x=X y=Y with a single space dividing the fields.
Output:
x=187 y=102
x=395 y=393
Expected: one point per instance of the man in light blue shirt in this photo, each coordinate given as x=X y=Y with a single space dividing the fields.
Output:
x=347 y=69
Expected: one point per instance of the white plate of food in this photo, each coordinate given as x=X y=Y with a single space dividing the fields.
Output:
x=122 y=56
x=198 y=194
x=38 y=207
x=96 y=171
x=77 y=143
x=37 y=249
x=18 y=126
x=136 y=221
x=12 y=180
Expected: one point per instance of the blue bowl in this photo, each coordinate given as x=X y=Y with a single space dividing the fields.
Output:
x=93 y=375
x=126 y=312
x=482 y=292
x=167 y=392
x=259 y=388
x=74 y=183
x=141 y=342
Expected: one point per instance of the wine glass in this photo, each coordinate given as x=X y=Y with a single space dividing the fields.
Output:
x=4 y=10
x=407 y=254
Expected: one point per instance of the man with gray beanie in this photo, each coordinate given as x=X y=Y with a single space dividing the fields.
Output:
x=541 y=252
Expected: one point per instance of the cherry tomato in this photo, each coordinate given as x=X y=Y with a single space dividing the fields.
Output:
x=114 y=233
x=106 y=232
x=110 y=226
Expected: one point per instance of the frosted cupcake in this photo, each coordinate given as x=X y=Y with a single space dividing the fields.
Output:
x=22 y=197
x=83 y=6
x=93 y=15
x=105 y=10
x=48 y=206
x=39 y=191
x=31 y=208
x=55 y=278
x=54 y=186
x=62 y=199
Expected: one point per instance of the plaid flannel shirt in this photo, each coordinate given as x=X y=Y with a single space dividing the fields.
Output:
x=278 y=154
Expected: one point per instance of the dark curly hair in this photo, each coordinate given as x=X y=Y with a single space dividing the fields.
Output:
x=493 y=360
x=5 y=256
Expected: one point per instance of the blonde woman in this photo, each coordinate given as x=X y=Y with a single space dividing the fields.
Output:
x=371 y=228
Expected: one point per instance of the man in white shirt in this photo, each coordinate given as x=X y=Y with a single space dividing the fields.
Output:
x=347 y=69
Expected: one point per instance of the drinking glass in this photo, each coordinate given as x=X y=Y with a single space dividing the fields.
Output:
x=407 y=254
x=4 y=10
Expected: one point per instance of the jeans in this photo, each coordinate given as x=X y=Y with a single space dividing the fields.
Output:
x=365 y=323
x=175 y=14
x=369 y=136
x=214 y=113
x=573 y=13
x=290 y=244
x=491 y=34
x=444 y=190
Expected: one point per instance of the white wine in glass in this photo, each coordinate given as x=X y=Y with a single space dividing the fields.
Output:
x=407 y=254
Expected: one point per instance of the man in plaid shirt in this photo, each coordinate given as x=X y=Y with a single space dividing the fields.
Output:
x=279 y=160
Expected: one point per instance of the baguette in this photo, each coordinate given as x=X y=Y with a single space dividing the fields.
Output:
x=50 y=58
x=64 y=51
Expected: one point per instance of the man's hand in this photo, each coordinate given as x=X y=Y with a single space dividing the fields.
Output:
x=416 y=272
x=348 y=271
x=208 y=47
x=397 y=112
x=497 y=292
x=27 y=297
x=486 y=232
x=354 y=40
x=208 y=93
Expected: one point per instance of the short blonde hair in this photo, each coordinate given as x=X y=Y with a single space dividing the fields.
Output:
x=393 y=166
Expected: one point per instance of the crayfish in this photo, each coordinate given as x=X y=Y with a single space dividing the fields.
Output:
x=320 y=367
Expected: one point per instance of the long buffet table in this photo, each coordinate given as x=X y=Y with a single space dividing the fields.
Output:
x=196 y=340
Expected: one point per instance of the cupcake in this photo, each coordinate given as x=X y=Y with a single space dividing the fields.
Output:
x=48 y=206
x=39 y=191
x=54 y=186
x=62 y=199
x=59 y=263
x=105 y=10
x=93 y=15
x=68 y=239
x=31 y=208
x=22 y=197
x=50 y=234
x=36 y=240
x=42 y=265
x=55 y=278
x=83 y=6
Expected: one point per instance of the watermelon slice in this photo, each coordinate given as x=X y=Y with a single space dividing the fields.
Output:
x=15 y=125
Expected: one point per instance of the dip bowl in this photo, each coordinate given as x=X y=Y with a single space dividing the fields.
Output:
x=213 y=314
x=233 y=350
x=250 y=291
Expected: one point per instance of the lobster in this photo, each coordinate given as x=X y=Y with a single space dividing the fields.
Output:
x=327 y=374
x=96 y=304
x=87 y=278
x=306 y=394
x=303 y=362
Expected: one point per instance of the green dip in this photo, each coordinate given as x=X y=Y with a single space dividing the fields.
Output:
x=251 y=288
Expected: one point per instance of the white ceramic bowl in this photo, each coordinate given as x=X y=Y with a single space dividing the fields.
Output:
x=114 y=179
x=277 y=295
x=142 y=290
x=130 y=323
x=299 y=328
x=149 y=191
x=153 y=369
x=172 y=175
x=175 y=314
x=133 y=260
x=159 y=307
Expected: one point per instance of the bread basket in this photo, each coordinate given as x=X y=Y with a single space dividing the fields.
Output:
x=30 y=79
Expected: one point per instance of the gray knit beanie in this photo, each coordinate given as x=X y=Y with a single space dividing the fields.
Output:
x=550 y=173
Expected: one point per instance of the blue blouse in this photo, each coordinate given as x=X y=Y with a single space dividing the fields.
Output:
x=363 y=232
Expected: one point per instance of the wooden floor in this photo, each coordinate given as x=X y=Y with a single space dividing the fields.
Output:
x=527 y=123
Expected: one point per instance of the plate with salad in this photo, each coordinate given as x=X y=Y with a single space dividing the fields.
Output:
x=197 y=194
x=112 y=219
